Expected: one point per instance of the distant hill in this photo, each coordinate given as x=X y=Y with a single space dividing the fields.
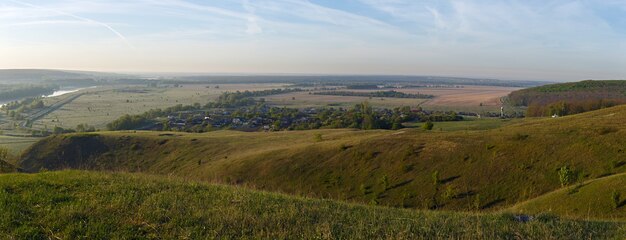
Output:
x=359 y=79
x=90 y=205
x=593 y=199
x=485 y=170
x=570 y=98
x=36 y=75
x=13 y=76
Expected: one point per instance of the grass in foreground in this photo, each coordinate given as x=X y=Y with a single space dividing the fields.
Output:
x=6 y=167
x=73 y=204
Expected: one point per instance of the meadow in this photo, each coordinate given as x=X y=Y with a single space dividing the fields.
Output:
x=485 y=170
x=90 y=205
x=16 y=145
x=467 y=98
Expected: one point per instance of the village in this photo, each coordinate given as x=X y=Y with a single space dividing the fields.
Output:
x=263 y=117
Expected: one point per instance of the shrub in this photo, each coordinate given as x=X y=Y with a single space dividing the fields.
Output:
x=477 y=203
x=449 y=193
x=566 y=176
x=407 y=168
x=343 y=147
x=318 y=137
x=521 y=137
x=435 y=177
x=428 y=125
x=616 y=199
x=363 y=189
x=385 y=182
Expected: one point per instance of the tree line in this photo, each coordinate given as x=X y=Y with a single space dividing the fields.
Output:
x=569 y=98
x=361 y=116
x=15 y=92
x=377 y=94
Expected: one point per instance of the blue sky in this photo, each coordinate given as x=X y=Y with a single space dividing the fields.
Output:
x=546 y=40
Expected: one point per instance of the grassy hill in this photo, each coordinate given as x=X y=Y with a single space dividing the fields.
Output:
x=490 y=170
x=593 y=199
x=570 y=98
x=6 y=167
x=89 y=205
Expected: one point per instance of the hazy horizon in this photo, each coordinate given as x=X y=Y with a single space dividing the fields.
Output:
x=520 y=40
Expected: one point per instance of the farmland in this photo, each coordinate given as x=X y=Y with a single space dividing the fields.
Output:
x=102 y=105
x=97 y=106
x=467 y=98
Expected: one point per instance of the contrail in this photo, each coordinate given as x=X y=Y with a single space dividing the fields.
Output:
x=122 y=37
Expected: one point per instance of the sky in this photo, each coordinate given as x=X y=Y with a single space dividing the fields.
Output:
x=525 y=39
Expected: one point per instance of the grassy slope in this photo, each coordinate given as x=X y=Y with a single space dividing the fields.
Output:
x=492 y=169
x=589 y=200
x=72 y=204
x=6 y=167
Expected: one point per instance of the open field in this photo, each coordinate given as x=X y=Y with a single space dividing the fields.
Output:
x=72 y=204
x=304 y=99
x=99 y=106
x=16 y=145
x=467 y=98
x=487 y=169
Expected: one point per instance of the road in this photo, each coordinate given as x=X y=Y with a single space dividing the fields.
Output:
x=47 y=110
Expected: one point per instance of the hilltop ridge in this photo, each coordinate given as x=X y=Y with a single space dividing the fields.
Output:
x=487 y=170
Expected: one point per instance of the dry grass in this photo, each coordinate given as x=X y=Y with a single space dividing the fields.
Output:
x=501 y=167
x=88 y=205
x=467 y=98
x=585 y=200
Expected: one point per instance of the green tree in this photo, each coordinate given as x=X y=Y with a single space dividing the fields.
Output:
x=428 y=125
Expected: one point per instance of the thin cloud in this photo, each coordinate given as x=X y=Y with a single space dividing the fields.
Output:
x=88 y=20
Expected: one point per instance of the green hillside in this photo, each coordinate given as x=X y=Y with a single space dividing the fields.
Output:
x=491 y=169
x=6 y=167
x=593 y=199
x=89 y=205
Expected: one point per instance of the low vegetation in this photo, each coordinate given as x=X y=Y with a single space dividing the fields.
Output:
x=72 y=205
x=6 y=167
x=595 y=199
x=487 y=170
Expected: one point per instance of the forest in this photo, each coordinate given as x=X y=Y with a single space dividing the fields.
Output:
x=377 y=94
x=569 y=98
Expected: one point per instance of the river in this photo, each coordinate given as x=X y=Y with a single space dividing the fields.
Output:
x=56 y=93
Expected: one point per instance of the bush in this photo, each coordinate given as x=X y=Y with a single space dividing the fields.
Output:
x=566 y=176
x=428 y=125
x=318 y=137
x=616 y=199
x=385 y=182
